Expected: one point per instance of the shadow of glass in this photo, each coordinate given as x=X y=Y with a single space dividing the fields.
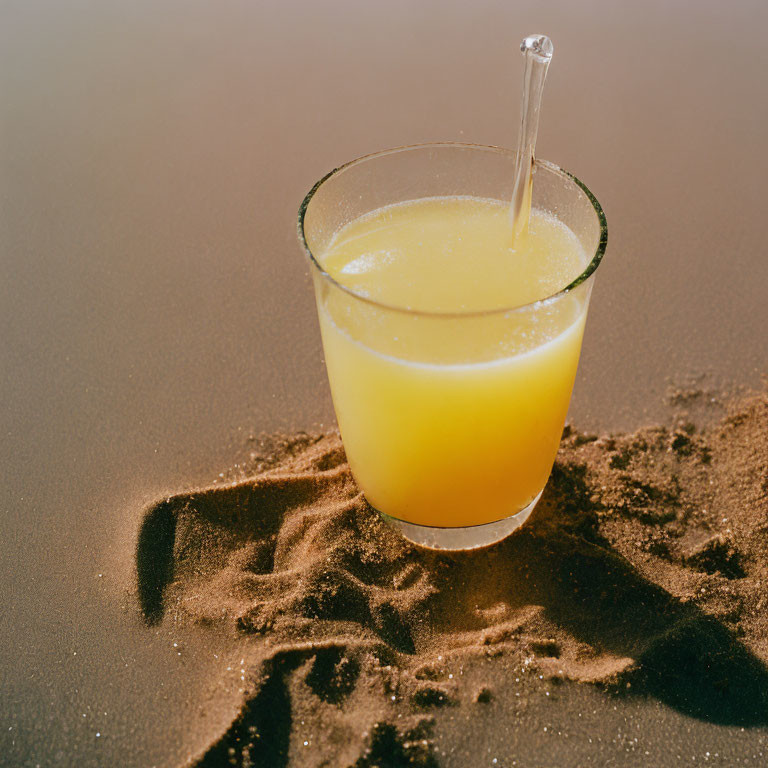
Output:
x=685 y=658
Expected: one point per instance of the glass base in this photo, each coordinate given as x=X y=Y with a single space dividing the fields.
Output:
x=469 y=537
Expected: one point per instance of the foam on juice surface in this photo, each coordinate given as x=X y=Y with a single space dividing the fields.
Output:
x=453 y=254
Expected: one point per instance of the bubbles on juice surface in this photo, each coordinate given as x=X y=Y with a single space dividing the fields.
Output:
x=367 y=263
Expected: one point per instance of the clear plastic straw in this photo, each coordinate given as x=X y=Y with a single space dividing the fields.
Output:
x=537 y=51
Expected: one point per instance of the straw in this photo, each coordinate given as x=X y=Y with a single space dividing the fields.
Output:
x=537 y=52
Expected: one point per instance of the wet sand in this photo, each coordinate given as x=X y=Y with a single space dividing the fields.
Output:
x=155 y=308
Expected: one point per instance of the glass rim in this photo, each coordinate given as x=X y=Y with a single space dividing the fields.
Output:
x=590 y=268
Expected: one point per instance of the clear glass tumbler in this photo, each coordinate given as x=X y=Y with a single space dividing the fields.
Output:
x=451 y=421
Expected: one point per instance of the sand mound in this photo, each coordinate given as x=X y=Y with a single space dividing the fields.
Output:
x=641 y=570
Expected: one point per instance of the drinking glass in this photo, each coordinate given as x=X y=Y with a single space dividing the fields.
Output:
x=451 y=421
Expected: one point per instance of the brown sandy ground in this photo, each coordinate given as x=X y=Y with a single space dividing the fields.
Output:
x=642 y=571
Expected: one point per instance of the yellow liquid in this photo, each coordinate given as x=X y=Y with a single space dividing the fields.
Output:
x=451 y=419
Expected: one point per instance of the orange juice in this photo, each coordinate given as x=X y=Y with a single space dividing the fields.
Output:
x=451 y=384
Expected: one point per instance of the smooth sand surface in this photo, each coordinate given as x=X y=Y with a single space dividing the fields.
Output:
x=155 y=308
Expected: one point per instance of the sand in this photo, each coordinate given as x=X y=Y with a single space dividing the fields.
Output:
x=641 y=571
